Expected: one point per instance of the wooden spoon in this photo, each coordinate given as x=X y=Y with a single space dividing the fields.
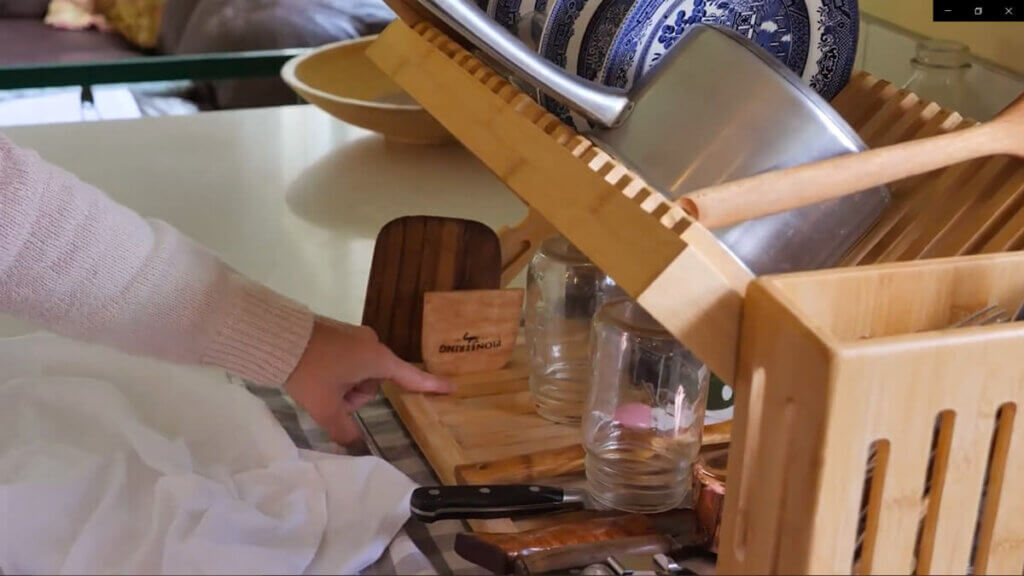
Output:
x=783 y=190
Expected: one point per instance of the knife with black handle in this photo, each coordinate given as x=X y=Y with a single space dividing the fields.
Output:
x=429 y=504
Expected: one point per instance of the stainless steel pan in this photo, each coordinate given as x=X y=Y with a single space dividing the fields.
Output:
x=716 y=108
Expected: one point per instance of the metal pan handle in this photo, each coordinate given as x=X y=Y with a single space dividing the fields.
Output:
x=605 y=106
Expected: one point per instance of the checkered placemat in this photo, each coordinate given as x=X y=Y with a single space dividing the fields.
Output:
x=419 y=548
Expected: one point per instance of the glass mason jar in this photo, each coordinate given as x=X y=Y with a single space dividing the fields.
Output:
x=563 y=291
x=940 y=75
x=645 y=412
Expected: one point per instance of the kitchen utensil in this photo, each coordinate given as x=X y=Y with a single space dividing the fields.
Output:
x=993 y=314
x=554 y=560
x=489 y=418
x=691 y=123
x=369 y=442
x=635 y=556
x=430 y=504
x=433 y=503
x=339 y=79
x=467 y=331
x=498 y=552
x=668 y=565
x=620 y=568
x=827 y=180
x=414 y=255
x=599 y=569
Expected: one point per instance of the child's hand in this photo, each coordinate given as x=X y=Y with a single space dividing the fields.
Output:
x=341 y=371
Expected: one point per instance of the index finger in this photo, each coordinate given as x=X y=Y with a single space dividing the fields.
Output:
x=410 y=378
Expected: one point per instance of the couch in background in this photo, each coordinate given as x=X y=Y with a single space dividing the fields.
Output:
x=24 y=39
x=198 y=27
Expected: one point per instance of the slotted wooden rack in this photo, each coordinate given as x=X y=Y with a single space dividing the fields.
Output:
x=970 y=208
x=675 y=267
x=648 y=244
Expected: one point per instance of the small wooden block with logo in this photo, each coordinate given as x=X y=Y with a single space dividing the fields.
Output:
x=470 y=331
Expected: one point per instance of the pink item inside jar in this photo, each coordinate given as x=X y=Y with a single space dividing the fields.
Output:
x=634 y=415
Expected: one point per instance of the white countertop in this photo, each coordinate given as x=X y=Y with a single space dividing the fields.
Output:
x=289 y=196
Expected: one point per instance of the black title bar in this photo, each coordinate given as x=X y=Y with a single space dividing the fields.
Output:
x=978 y=11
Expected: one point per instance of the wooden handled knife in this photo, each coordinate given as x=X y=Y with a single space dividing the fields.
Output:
x=577 y=543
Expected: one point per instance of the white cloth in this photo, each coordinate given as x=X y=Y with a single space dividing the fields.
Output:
x=116 y=464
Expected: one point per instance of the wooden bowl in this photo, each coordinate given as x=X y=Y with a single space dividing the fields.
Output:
x=339 y=79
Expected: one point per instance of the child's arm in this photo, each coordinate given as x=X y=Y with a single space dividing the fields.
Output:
x=77 y=263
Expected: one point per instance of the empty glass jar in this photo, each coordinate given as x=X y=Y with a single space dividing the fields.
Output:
x=563 y=291
x=645 y=412
x=941 y=70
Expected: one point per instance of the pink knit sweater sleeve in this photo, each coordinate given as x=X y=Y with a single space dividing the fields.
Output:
x=77 y=263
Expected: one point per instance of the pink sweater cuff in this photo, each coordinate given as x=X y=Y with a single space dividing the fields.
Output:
x=262 y=335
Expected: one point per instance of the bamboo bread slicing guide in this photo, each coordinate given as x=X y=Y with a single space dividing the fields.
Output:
x=632 y=232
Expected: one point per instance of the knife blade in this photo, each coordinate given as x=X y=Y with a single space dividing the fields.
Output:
x=429 y=504
x=368 y=439
x=499 y=552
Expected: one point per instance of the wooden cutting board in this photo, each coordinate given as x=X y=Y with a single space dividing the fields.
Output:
x=488 y=431
x=490 y=419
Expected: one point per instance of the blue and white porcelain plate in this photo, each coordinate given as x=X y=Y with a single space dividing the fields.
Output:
x=834 y=34
x=560 y=43
x=816 y=39
x=520 y=17
x=616 y=42
x=782 y=31
x=599 y=35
